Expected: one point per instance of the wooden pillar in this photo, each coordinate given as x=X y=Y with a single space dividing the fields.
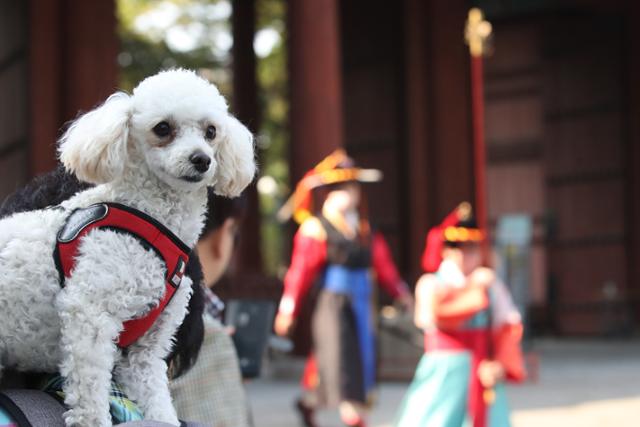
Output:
x=90 y=53
x=451 y=106
x=14 y=90
x=73 y=48
x=633 y=159
x=315 y=110
x=439 y=153
x=245 y=107
x=419 y=213
x=45 y=41
x=315 y=79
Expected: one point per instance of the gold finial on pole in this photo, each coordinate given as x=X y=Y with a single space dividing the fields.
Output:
x=477 y=32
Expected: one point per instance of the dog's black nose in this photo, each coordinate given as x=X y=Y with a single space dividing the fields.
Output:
x=200 y=161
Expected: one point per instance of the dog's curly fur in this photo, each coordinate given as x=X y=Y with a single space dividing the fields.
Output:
x=73 y=330
x=52 y=188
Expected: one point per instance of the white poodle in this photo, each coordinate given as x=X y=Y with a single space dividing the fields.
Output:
x=154 y=151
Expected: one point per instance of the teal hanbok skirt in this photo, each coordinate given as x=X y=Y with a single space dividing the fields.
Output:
x=438 y=394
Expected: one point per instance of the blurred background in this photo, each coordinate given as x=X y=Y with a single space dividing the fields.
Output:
x=392 y=83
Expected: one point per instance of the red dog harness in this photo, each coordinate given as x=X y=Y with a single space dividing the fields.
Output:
x=150 y=233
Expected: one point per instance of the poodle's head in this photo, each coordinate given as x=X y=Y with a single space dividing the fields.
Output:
x=176 y=123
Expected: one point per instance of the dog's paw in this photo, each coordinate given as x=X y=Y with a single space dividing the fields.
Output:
x=85 y=418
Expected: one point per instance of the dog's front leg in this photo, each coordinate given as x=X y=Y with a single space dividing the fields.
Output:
x=88 y=353
x=143 y=373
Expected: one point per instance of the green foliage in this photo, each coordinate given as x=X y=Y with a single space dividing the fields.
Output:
x=146 y=51
x=274 y=133
x=140 y=58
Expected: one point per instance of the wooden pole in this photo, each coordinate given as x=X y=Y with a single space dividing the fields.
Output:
x=479 y=146
x=477 y=32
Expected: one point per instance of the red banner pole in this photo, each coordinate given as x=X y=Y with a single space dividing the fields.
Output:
x=479 y=148
x=477 y=31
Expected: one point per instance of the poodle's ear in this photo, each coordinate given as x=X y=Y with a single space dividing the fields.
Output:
x=95 y=145
x=235 y=159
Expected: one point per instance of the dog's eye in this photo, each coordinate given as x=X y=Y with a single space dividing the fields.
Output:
x=210 y=133
x=162 y=129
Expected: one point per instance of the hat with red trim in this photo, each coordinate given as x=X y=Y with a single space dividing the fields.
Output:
x=457 y=228
x=336 y=168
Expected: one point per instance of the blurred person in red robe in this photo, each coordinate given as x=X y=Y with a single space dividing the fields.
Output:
x=336 y=250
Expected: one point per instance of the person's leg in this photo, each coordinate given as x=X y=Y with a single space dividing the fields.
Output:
x=307 y=402
x=306 y=409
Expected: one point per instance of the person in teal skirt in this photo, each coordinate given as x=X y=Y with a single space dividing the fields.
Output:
x=472 y=334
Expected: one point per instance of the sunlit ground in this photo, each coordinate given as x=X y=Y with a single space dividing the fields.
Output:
x=581 y=384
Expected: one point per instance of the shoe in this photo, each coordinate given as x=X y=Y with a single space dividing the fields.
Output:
x=306 y=413
x=355 y=423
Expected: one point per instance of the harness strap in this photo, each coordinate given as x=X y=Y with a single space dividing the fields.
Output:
x=151 y=234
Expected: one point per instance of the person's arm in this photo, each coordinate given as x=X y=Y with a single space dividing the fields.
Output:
x=446 y=307
x=387 y=274
x=508 y=352
x=454 y=305
x=308 y=258
x=423 y=315
x=507 y=333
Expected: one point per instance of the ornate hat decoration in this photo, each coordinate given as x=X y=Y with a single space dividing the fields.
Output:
x=458 y=227
x=336 y=168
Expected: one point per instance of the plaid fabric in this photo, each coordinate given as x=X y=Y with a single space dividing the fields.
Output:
x=213 y=305
x=211 y=392
x=122 y=408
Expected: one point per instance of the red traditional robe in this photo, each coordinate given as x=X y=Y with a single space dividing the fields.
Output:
x=309 y=259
